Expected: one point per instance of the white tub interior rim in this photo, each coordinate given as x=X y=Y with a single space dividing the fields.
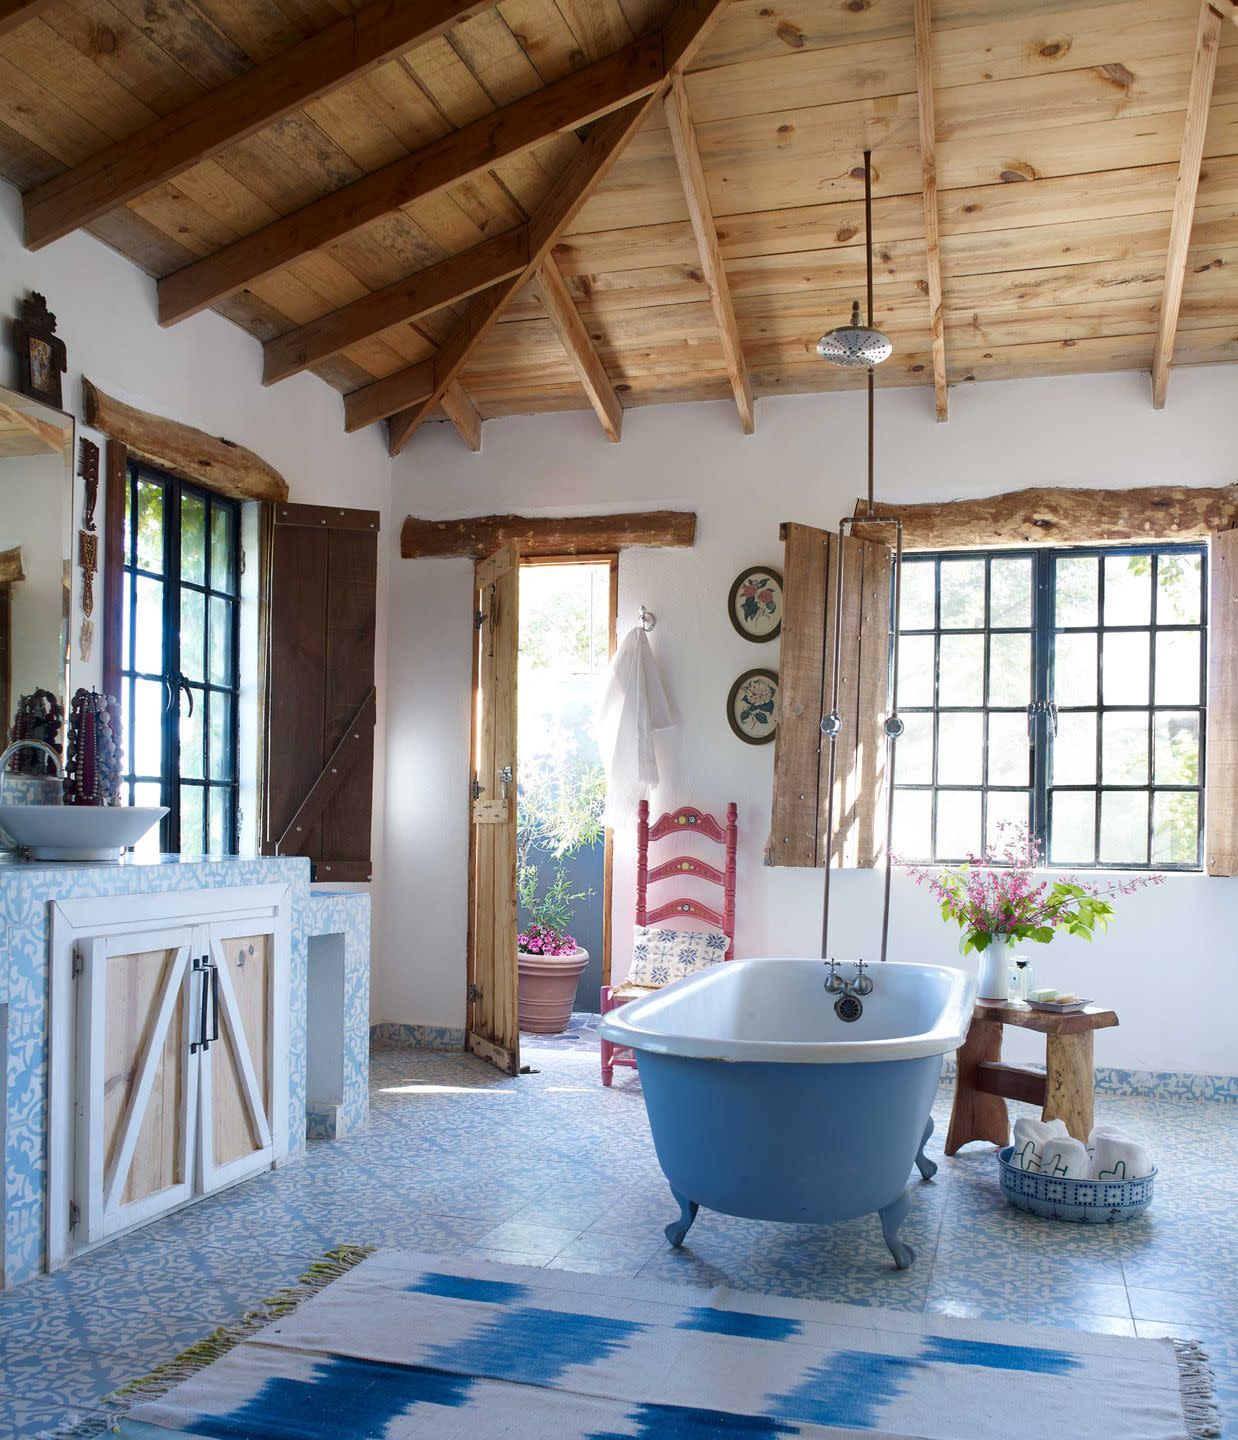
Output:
x=778 y=1010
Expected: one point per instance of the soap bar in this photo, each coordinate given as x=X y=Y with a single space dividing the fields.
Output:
x=1047 y=994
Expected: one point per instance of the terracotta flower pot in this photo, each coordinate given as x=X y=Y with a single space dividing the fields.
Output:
x=548 y=990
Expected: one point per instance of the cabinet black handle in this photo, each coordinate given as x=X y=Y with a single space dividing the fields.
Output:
x=200 y=964
x=213 y=976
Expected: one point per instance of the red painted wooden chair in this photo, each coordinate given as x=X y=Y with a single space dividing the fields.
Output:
x=680 y=823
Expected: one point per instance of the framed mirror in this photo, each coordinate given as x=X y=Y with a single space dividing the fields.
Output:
x=36 y=558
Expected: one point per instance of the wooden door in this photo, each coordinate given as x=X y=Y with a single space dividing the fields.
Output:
x=239 y=1094
x=137 y=1111
x=493 y=1027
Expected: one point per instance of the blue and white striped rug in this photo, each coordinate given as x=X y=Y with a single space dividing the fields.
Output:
x=407 y=1345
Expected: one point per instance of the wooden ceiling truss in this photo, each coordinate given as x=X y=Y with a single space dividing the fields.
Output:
x=457 y=211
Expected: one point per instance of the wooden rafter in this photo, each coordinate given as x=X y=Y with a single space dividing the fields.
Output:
x=463 y=414
x=1198 y=103
x=579 y=345
x=384 y=397
x=565 y=104
x=696 y=193
x=17 y=12
x=932 y=240
x=456 y=278
x=684 y=32
x=539 y=535
x=237 y=109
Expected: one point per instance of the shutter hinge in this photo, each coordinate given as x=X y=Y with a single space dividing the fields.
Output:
x=478 y=788
x=479 y=619
x=74 y=1215
x=78 y=963
x=242 y=559
x=474 y=994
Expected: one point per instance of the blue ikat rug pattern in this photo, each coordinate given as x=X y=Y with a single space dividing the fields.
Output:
x=406 y=1346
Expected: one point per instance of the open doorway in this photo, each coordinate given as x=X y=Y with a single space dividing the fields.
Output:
x=566 y=638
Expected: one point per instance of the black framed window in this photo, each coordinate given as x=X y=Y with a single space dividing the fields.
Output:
x=1064 y=689
x=180 y=659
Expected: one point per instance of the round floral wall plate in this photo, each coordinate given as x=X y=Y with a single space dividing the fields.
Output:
x=755 y=603
x=752 y=706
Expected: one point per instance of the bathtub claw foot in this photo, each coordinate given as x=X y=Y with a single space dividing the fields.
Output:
x=677 y=1229
x=926 y=1167
x=891 y=1218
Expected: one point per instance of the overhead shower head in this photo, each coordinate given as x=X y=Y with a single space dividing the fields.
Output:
x=856 y=345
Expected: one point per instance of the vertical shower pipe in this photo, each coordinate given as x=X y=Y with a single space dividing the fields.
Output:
x=831 y=724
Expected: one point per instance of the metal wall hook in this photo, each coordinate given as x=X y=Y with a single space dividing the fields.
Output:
x=647 y=620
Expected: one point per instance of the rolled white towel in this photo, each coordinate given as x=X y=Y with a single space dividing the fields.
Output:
x=1065 y=1159
x=1030 y=1138
x=1118 y=1157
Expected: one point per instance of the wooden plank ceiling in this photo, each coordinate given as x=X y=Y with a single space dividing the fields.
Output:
x=463 y=212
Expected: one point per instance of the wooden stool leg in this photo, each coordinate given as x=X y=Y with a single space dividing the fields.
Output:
x=1069 y=1081
x=976 y=1116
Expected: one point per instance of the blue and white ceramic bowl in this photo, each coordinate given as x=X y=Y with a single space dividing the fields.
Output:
x=1088 y=1202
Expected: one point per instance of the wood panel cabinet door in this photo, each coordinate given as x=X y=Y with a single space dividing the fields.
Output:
x=137 y=1091
x=493 y=1026
x=242 y=1093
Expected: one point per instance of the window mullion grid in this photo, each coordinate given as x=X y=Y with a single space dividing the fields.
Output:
x=1043 y=620
x=986 y=619
x=936 y=696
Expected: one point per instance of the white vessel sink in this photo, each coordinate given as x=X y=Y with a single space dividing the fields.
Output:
x=78 y=832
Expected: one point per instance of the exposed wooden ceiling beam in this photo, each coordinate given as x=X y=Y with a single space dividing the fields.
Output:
x=480 y=535
x=381 y=398
x=222 y=117
x=453 y=279
x=463 y=414
x=579 y=345
x=932 y=239
x=564 y=104
x=16 y=12
x=685 y=31
x=1199 y=99
x=700 y=213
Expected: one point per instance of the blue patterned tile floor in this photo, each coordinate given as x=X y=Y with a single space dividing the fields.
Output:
x=552 y=1169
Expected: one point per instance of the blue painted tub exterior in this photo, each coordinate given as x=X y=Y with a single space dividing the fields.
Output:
x=808 y=1143
x=765 y=1102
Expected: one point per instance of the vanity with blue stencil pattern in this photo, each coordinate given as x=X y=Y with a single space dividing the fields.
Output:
x=253 y=983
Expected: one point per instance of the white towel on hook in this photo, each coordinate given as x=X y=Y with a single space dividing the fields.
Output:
x=633 y=709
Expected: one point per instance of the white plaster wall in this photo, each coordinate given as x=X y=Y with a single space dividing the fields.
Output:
x=204 y=372
x=1168 y=964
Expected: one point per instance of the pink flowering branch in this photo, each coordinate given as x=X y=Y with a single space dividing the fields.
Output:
x=996 y=895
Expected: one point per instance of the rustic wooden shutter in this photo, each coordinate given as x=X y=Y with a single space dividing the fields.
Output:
x=1221 y=749
x=801 y=755
x=320 y=702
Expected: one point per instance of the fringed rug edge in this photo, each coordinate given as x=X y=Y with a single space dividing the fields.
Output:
x=210 y=1348
x=1197 y=1386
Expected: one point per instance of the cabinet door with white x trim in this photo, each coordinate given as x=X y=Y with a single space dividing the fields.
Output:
x=182 y=1063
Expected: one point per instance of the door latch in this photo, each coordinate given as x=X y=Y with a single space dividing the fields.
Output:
x=505 y=780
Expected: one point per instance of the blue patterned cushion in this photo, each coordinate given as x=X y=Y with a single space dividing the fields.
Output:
x=661 y=955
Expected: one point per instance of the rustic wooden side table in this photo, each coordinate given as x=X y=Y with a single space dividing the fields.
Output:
x=984 y=1083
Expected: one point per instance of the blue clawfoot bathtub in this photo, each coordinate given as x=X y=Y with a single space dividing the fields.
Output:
x=764 y=1103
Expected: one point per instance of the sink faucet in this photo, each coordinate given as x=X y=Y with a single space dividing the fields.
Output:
x=30 y=745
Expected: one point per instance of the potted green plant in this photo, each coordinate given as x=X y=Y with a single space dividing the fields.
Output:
x=559 y=814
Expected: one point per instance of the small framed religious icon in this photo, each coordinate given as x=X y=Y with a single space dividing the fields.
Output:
x=41 y=354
